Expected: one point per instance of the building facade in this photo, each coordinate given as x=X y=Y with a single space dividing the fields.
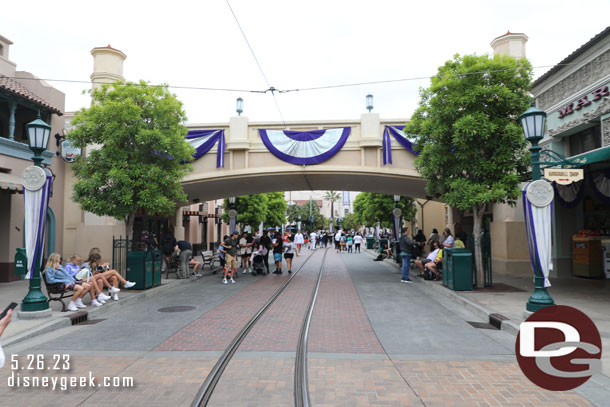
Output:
x=22 y=97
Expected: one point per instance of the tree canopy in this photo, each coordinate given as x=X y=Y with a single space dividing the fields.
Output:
x=269 y=208
x=472 y=151
x=319 y=220
x=139 y=152
x=371 y=207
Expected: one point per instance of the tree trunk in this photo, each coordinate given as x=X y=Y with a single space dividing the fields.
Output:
x=129 y=221
x=477 y=213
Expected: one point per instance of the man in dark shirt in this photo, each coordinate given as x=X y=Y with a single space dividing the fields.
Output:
x=186 y=250
x=405 y=253
x=266 y=242
x=230 y=244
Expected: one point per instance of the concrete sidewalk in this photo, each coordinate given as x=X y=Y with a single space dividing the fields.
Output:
x=21 y=329
x=509 y=294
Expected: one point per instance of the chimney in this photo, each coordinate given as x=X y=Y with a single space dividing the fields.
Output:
x=511 y=44
x=107 y=65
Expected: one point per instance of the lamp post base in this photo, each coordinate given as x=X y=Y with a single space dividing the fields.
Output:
x=540 y=298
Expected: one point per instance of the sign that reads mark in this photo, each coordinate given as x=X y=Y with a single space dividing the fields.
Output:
x=563 y=176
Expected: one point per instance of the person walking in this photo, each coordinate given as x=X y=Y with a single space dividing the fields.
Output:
x=338 y=240
x=230 y=245
x=298 y=241
x=278 y=248
x=312 y=241
x=349 y=243
x=244 y=252
x=289 y=247
x=357 y=242
x=405 y=253
x=266 y=241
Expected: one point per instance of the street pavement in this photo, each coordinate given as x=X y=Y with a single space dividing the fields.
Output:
x=373 y=341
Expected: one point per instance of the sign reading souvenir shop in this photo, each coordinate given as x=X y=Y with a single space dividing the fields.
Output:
x=584 y=101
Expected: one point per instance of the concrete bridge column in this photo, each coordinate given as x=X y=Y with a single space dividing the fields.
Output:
x=237 y=143
x=179 y=229
x=370 y=141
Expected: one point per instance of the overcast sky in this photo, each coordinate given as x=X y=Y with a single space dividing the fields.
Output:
x=299 y=44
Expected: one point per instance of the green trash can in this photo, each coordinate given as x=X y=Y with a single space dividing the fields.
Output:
x=157 y=262
x=140 y=269
x=370 y=241
x=458 y=271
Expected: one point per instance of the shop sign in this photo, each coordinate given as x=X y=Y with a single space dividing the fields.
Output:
x=68 y=152
x=584 y=101
x=563 y=176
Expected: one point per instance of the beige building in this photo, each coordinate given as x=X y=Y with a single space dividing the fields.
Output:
x=22 y=96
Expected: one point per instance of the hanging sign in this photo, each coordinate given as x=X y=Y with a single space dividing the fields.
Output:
x=563 y=176
x=68 y=152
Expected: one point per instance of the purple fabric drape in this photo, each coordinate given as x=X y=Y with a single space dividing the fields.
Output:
x=575 y=201
x=211 y=137
x=387 y=143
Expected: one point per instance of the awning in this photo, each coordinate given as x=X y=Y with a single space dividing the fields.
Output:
x=11 y=182
x=600 y=154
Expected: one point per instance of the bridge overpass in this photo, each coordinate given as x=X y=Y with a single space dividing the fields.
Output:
x=249 y=167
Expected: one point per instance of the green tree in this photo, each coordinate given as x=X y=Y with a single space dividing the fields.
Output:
x=276 y=209
x=269 y=208
x=319 y=220
x=141 y=151
x=471 y=144
x=371 y=207
x=351 y=221
x=251 y=210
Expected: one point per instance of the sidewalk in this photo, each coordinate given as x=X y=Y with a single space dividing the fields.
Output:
x=21 y=329
x=509 y=294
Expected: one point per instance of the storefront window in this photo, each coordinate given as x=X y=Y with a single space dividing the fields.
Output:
x=586 y=140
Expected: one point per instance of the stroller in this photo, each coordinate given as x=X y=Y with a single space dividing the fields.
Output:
x=258 y=265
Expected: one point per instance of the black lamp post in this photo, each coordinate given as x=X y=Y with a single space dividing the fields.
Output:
x=533 y=121
x=38 y=140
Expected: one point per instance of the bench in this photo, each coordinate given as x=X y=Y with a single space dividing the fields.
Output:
x=173 y=266
x=55 y=293
x=209 y=258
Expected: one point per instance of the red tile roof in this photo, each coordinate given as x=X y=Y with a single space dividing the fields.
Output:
x=17 y=89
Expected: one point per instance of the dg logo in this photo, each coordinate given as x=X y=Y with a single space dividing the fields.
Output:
x=559 y=348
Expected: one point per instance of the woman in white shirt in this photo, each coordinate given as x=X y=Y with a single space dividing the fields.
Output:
x=298 y=241
x=449 y=241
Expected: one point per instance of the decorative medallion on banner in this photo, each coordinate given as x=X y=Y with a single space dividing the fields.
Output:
x=397 y=222
x=402 y=139
x=538 y=209
x=204 y=140
x=304 y=147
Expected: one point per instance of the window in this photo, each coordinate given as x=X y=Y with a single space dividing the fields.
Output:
x=586 y=140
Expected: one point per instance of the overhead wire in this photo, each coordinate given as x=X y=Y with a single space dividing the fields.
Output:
x=274 y=90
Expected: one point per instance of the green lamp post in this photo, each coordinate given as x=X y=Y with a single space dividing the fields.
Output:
x=533 y=121
x=38 y=139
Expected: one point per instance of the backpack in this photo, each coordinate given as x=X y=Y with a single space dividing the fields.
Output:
x=428 y=275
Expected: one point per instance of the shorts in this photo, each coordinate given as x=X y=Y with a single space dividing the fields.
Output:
x=424 y=261
x=230 y=261
x=277 y=256
x=288 y=255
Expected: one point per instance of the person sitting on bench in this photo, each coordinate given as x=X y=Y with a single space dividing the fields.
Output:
x=55 y=273
x=435 y=265
x=420 y=263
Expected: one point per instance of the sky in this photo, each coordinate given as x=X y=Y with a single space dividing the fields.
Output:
x=298 y=44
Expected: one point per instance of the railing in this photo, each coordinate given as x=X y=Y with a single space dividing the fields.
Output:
x=120 y=247
x=485 y=253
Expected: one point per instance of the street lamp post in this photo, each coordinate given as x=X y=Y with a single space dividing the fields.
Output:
x=232 y=215
x=369 y=102
x=38 y=139
x=239 y=108
x=533 y=121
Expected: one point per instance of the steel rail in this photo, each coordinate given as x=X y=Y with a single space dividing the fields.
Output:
x=301 y=387
x=205 y=392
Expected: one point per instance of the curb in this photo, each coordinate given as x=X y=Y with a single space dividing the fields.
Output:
x=480 y=310
x=64 y=320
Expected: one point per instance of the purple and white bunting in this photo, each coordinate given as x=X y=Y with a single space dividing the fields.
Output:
x=204 y=140
x=538 y=224
x=304 y=147
x=402 y=139
x=36 y=204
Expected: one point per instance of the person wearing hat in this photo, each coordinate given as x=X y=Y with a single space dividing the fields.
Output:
x=230 y=245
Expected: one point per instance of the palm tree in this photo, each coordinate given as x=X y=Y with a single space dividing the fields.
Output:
x=332 y=196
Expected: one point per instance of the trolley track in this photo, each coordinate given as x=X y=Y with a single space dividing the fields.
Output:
x=301 y=396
